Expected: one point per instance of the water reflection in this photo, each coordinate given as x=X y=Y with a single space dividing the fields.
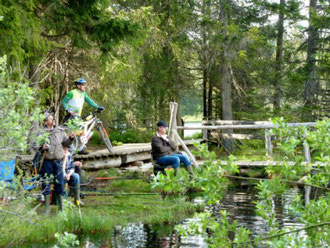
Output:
x=239 y=204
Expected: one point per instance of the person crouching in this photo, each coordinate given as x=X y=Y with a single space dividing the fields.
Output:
x=72 y=178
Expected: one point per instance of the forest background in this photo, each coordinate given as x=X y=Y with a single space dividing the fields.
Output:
x=219 y=59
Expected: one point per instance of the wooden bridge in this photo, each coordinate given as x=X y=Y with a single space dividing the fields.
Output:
x=139 y=154
x=127 y=154
x=130 y=154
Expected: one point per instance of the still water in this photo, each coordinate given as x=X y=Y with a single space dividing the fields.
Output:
x=239 y=204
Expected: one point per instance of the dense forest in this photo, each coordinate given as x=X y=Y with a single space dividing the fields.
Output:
x=225 y=59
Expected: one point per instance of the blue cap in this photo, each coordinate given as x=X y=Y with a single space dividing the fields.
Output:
x=80 y=81
x=161 y=124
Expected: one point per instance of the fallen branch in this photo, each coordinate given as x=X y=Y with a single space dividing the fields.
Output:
x=293 y=231
x=114 y=194
x=286 y=181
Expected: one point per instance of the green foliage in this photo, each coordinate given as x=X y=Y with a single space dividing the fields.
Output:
x=211 y=179
x=74 y=125
x=18 y=113
x=24 y=223
x=66 y=240
x=132 y=136
x=311 y=212
x=169 y=183
x=216 y=232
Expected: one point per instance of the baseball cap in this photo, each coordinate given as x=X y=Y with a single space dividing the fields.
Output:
x=162 y=124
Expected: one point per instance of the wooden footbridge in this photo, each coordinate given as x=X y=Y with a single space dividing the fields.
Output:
x=134 y=154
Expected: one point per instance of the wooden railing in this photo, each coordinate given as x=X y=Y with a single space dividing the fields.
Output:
x=231 y=125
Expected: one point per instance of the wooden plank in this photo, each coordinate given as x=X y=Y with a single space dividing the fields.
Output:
x=268 y=126
x=102 y=163
x=234 y=122
x=272 y=163
x=238 y=136
x=129 y=158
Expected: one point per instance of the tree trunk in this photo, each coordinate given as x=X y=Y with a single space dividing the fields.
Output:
x=311 y=85
x=205 y=74
x=278 y=62
x=210 y=100
x=225 y=78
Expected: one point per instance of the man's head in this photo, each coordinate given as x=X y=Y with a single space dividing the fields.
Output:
x=49 y=120
x=81 y=84
x=162 y=127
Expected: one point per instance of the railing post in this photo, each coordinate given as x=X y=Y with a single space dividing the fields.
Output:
x=205 y=132
x=173 y=125
x=307 y=152
x=268 y=142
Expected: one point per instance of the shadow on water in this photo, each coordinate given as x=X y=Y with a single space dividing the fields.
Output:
x=239 y=204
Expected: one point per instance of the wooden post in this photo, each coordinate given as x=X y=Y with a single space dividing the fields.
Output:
x=307 y=152
x=205 y=132
x=185 y=148
x=173 y=125
x=268 y=141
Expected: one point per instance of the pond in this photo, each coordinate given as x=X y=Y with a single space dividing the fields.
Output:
x=239 y=204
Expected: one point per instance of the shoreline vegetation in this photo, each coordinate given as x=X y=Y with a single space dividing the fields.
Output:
x=99 y=214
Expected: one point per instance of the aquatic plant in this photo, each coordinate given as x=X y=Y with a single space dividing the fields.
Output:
x=314 y=214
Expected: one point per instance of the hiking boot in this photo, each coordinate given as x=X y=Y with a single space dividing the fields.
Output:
x=60 y=202
x=190 y=171
x=83 y=152
x=80 y=203
x=77 y=200
x=47 y=204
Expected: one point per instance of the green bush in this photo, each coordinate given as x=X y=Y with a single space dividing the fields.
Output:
x=140 y=135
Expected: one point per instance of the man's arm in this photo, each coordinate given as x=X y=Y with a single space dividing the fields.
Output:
x=67 y=141
x=90 y=102
x=171 y=144
x=159 y=147
x=66 y=99
x=67 y=176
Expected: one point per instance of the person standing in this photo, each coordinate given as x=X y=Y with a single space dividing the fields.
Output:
x=52 y=170
x=163 y=151
x=73 y=103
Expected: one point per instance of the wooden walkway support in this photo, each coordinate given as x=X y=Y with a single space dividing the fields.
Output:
x=102 y=159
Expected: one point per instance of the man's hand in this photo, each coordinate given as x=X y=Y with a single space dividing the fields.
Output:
x=67 y=177
x=164 y=137
x=77 y=163
x=101 y=108
x=45 y=147
x=72 y=135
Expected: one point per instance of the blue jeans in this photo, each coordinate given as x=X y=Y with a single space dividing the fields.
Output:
x=74 y=181
x=174 y=160
x=52 y=167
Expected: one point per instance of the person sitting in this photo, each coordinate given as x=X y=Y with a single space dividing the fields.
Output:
x=163 y=151
x=71 y=177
